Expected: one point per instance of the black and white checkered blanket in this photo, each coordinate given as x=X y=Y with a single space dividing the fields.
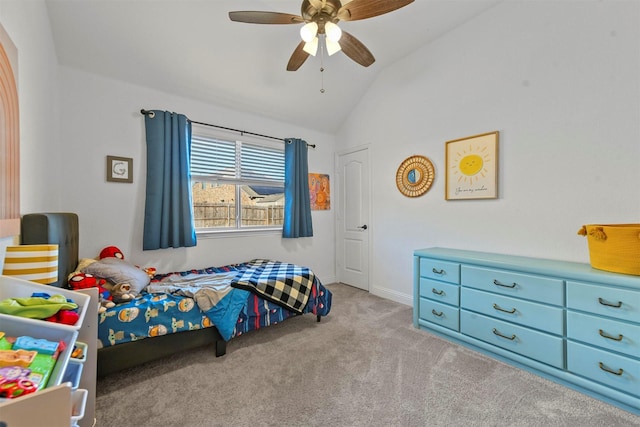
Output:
x=288 y=285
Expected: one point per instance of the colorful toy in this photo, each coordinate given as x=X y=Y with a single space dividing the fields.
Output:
x=16 y=380
x=36 y=307
x=121 y=279
x=121 y=291
x=10 y=389
x=22 y=358
x=151 y=271
x=30 y=363
x=78 y=353
x=41 y=346
x=111 y=251
x=64 y=316
x=85 y=281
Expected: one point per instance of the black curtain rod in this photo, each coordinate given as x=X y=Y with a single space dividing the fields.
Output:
x=241 y=132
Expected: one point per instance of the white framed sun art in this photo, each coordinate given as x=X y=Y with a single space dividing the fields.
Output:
x=472 y=167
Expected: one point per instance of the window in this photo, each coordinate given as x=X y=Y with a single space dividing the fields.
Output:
x=236 y=185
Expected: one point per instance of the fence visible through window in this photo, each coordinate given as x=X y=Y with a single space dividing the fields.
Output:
x=221 y=215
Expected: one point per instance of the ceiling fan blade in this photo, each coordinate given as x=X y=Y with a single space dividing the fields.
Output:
x=363 y=9
x=354 y=49
x=297 y=58
x=251 y=17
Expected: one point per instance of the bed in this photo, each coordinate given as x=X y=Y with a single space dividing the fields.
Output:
x=183 y=310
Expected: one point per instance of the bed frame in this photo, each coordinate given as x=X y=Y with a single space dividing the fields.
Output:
x=61 y=228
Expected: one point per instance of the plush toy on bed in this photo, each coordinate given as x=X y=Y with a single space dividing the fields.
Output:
x=85 y=281
x=123 y=279
x=111 y=252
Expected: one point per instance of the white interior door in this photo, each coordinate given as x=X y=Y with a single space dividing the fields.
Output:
x=352 y=236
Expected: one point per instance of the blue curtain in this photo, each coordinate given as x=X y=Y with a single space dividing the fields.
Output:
x=297 y=207
x=168 y=212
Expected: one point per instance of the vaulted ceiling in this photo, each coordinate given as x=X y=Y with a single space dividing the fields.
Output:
x=192 y=49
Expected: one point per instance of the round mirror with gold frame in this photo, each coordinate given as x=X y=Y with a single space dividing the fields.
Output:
x=415 y=176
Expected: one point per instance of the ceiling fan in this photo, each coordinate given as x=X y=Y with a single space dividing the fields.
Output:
x=320 y=18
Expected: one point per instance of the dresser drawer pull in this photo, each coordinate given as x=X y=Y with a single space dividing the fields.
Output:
x=437 y=292
x=603 y=334
x=435 y=313
x=437 y=271
x=608 y=304
x=511 y=338
x=611 y=371
x=497 y=283
x=497 y=307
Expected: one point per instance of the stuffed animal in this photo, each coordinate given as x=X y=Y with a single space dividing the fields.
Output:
x=151 y=271
x=121 y=279
x=85 y=281
x=120 y=292
x=111 y=251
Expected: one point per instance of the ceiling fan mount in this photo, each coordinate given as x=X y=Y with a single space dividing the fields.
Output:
x=325 y=13
x=328 y=12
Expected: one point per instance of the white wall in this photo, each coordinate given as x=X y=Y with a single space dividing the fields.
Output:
x=70 y=121
x=27 y=23
x=102 y=117
x=561 y=82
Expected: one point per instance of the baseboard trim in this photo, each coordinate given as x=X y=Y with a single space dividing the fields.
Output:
x=392 y=295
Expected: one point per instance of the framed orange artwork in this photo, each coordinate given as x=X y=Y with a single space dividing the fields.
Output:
x=319 y=192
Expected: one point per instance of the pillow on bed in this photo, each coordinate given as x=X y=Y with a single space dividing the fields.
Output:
x=118 y=271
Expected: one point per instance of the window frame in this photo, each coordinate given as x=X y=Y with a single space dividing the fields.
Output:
x=238 y=229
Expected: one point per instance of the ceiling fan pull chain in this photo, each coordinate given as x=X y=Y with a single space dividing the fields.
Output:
x=322 y=67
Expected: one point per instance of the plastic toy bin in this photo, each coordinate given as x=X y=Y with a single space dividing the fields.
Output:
x=14 y=326
x=82 y=348
x=78 y=403
x=73 y=373
x=11 y=287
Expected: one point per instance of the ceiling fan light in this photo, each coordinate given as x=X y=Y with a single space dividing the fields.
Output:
x=311 y=47
x=309 y=31
x=332 y=31
x=332 y=47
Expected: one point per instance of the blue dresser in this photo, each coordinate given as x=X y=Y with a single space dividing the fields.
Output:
x=565 y=321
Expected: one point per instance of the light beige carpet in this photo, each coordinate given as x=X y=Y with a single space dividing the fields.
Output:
x=363 y=365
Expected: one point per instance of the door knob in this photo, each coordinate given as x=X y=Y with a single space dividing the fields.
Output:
x=364 y=227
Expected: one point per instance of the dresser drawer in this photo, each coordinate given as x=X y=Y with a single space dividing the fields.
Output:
x=440 y=314
x=527 y=286
x=518 y=339
x=544 y=317
x=597 y=365
x=614 y=302
x=440 y=291
x=611 y=334
x=440 y=270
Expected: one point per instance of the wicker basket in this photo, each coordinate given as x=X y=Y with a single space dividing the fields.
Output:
x=614 y=247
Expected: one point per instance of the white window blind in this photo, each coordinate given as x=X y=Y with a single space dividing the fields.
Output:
x=236 y=186
x=237 y=161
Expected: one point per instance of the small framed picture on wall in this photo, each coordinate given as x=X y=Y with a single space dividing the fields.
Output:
x=119 y=169
x=472 y=167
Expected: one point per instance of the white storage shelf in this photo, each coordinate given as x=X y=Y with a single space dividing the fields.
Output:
x=564 y=320
x=55 y=405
